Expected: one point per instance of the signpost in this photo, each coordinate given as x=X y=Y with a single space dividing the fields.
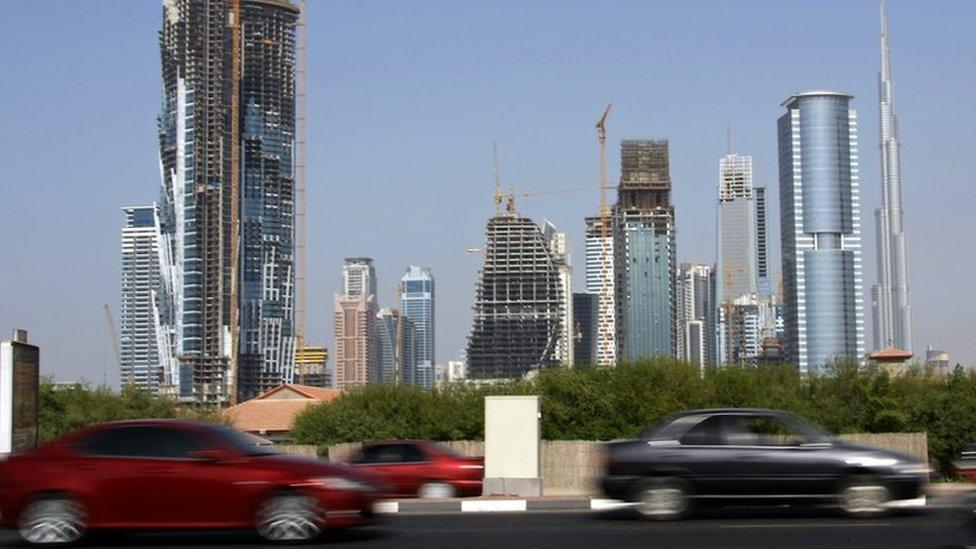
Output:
x=19 y=386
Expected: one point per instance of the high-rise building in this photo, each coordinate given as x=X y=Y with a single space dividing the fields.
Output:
x=696 y=314
x=396 y=358
x=355 y=340
x=644 y=247
x=737 y=229
x=891 y=308
x=585 y=320
x=764 y=284
x=559 y=248
x=520 y=307
x=226 y=317
x=358 y=277
x=748 y=321
x=821 y=229
x=600 y=282
x=311 y=367
x=417 y=303
x=138 y=353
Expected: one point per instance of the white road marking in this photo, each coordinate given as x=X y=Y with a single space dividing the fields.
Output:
x=597 y=504
x=386 y=507
x=493 y=505
x=808 y=525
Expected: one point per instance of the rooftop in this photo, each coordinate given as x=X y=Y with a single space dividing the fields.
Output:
x=814 y=93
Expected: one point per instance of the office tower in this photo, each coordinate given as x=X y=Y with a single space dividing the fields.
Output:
x=600 y=281
x=358 y=277
x=585 y=320
x=891 y=309
x=519 y=309
x=695 y=331
x=737 y=229
x=311 y=367
x=138 y=354
x=820 y=229
x=559 y=248
x=227 y=136
x=763 y=283
x=644 y=247
x=355 y=340
x=417 y=304
x=396 y=358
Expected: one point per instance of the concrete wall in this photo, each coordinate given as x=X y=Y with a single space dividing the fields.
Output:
x=570 y=466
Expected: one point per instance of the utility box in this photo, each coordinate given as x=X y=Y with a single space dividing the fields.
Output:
x=19 y=386
x=513 y=432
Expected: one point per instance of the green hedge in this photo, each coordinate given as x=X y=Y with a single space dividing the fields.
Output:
x=603 y=404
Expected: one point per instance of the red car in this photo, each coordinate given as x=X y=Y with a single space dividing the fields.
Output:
x=413 y=468
x=175 y=474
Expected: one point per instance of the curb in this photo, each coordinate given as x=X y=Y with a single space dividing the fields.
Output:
x=496 y=505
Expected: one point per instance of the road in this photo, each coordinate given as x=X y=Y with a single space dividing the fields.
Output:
x=739 y=529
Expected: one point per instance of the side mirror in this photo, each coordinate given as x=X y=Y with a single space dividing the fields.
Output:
x=210 y=455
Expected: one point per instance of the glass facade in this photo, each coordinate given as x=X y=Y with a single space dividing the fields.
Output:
x=417 y=304
x=820 y=217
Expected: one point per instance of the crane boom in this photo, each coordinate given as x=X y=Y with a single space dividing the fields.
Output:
x=300 y=210
x=601 y=134
x=110 y=321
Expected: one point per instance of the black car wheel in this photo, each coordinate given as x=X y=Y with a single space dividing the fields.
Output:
x=662 y=499
x=864 y=497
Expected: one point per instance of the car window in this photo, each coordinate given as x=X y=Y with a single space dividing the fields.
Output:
x=706 y=432
x=764 y=431
x=412 y=453
x=142 y=442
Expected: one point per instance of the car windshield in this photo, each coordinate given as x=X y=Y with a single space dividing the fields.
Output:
x=242 y=443
x=674 y=427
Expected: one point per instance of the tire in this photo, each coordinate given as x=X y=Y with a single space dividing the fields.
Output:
x=290 y=517
x=863 y=497
x=435 y=489
x=662 y=499
x=52 y=520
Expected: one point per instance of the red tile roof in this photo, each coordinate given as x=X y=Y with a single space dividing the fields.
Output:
x=891 y=353
x=274 y=411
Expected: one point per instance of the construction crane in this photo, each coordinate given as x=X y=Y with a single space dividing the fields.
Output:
x=601 y=135
x=300 y=210
x=607 y=356
x=235 y=79
x=113 y=335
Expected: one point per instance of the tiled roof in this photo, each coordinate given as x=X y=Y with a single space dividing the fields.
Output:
x=891 y=353
x=265 y=415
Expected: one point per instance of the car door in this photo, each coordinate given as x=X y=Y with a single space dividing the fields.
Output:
x=108 y=473
x=703 y=454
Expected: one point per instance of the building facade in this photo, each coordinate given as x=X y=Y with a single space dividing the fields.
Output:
x=520 y=306
x=139 y=363
x=696 y=314
x=225 y=301
x=355 y=340
x=890 y=303
x=737 y=263
x=397 y=349
x=417 y=304
x=600 y=281
x=821 y=230
x=645 y=252
x=586 y=307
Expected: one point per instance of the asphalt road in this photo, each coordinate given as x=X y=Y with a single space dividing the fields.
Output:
x=740 y=529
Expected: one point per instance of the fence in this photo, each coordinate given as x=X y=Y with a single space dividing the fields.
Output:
x=570 y=466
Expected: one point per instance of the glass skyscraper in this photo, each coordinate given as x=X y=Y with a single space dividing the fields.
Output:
x=138 y=353
x=821 y=229
x=417 y=304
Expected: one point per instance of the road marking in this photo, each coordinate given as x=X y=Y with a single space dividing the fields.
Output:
x=808 y=525
x=607 y=504
x=387 y=507
x=478 y=506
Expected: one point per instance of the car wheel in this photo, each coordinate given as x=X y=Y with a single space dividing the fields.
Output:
x=864 y=497
x=290 y=517
x=435 y=490
x=662 y=499
x=52 y=520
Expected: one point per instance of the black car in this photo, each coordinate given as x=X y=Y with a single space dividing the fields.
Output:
x=731 y=456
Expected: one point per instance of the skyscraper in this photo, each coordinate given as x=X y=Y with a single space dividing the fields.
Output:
x=644 y=247
x=737 y=233
x=138 y=354
x=396 y=358
x=600 y=281
x=354 y=325
x=585 y=320
x=417 y=303
x=227 y=202
x=821 y=229
x=891 y=309
x=696 y=314
x=520 y=306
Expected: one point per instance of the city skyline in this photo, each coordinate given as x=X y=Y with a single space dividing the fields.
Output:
x=455 y=282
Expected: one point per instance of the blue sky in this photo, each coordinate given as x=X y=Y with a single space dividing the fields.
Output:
x=405 y=99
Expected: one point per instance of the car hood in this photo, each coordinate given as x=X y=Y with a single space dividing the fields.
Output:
x=312 y=466
x=860 y=449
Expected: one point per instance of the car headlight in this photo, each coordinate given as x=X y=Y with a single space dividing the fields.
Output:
x=342 y=483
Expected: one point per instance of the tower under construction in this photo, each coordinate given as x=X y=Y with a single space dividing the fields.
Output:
x=522 y=301
x=225 y=305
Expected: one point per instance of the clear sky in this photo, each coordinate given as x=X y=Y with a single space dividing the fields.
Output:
x=405 y=99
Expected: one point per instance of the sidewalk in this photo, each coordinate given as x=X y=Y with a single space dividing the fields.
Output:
x=940 y=495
